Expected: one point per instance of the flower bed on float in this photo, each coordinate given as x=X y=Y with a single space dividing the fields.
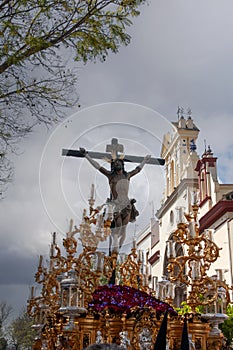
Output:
x=122 y=299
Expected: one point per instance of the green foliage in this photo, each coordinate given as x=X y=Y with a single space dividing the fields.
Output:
x=21 y=333
x=36 y=34
x=3 y=343
x=103 y=280
x=227 y=325
x=91 y=27
x=185 y=308
x=35 y=37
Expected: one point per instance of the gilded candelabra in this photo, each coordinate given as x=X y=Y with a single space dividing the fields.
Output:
x=88 y=297
x=191 y=268
x=68 y=281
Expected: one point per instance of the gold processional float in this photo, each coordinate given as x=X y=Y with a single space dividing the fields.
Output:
x=78 y=305
x=84 y=297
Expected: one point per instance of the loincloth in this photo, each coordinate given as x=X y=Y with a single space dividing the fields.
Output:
x=126 y=210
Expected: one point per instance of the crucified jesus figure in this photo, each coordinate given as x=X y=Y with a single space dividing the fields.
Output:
x=124 y=210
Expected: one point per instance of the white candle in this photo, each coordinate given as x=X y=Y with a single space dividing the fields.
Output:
x=100 y=221
x=193 y=272
x=92 y=191
x=171 y=290
x=40 y=260
x=154 y=283
x=52 y=250
x=194 y=198
x=141 y=255
x=180 y=216
x=145 y=280
x=195 y=269
x=219 y=274
x=32 y=292
x=192 y=229
x=170 y=249
x=54 y=237
x=134 y=243
x=100 y=261
x=71 y=226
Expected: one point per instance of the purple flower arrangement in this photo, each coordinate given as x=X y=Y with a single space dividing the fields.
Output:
x=120 y=299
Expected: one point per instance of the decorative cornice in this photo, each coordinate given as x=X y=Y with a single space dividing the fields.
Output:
x=144 y=237
x=215 y=213
x=173 y=197
x=210 y=160
x=154 y=257
x=204 y=201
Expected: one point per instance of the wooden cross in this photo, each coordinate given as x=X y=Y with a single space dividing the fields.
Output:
x=112 y=150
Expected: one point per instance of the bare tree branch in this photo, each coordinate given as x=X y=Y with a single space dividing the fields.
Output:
x=5 y=311
x=36 y=83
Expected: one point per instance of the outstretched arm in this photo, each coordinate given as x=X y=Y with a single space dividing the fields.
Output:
x=91 y=161
x=145 y=160
x=94 y=162
x=139 y=167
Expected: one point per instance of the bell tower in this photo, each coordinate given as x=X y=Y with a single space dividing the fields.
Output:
x=179 y=152
x=207 y=180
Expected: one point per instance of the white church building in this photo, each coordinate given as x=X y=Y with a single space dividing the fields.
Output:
x=189 y=177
